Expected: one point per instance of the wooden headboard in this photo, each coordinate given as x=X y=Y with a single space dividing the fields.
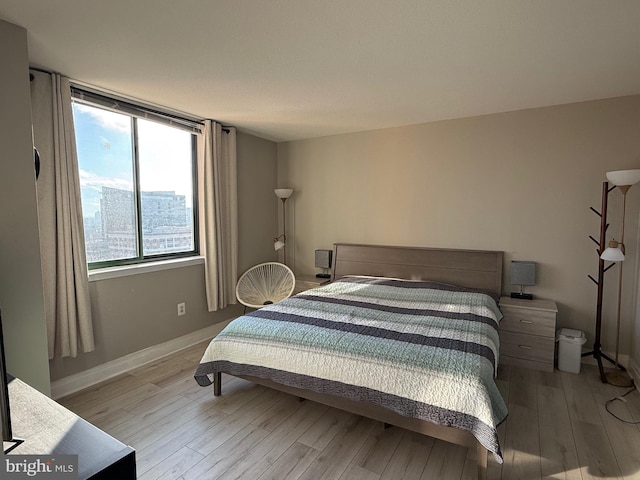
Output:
x=477 y=269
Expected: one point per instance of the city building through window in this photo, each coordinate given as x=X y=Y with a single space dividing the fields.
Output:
x=138 y=184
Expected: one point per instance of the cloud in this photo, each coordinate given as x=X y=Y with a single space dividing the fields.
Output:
x=105 y=118
x=89 y=180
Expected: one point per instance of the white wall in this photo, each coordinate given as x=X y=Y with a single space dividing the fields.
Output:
x=21 y=298
x=521 y=182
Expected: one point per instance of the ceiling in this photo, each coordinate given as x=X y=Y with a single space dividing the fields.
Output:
x=292 y=69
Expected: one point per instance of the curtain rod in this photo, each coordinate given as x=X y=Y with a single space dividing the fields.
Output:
x=224 y=128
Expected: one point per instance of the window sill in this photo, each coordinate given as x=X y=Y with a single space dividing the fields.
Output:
x=125 y=271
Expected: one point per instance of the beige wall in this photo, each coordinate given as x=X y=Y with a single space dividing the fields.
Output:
x=21 y=298
x=521 y=182
x=257 y=204
x=135 y=312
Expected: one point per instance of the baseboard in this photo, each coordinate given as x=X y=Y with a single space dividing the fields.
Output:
x=76 y=382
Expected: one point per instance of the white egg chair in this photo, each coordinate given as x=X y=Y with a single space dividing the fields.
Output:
x=265 y=284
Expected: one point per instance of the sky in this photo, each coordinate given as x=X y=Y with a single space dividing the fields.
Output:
x=104 y=145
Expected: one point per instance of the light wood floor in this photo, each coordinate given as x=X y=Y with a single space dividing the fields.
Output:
x=557 y=428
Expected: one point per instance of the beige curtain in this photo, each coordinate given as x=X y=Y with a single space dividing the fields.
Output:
x=64 y=265
x=219 y=214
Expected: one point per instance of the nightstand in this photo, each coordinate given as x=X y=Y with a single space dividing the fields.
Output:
x=305 y=282
x=528 y=333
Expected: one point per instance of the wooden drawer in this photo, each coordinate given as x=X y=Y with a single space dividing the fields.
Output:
x=527 y=333
x=523 y=362
x=528 y=347
x=535 y=322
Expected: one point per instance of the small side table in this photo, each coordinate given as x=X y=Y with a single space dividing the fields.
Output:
x=305 y=282
x=528 y=333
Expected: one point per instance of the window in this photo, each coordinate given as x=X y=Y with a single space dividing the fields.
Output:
x=137 y=181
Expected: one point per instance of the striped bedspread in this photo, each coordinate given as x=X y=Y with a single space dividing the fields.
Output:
x=424 y=350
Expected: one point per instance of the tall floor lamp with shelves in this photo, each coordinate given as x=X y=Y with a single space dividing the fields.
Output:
x=614 y=253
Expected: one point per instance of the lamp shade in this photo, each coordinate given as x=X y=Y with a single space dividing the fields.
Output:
x=523 y=273
x=613 y=253
x=624 y=177
x=283 y=192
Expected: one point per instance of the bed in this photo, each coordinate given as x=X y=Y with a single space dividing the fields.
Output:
x=407 y=336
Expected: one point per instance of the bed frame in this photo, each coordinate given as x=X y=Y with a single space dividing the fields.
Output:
x=477 y=269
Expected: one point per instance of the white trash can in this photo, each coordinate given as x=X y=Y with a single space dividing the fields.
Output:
x=570 y=349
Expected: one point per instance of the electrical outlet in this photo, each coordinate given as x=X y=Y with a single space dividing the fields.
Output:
x=182 y=309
